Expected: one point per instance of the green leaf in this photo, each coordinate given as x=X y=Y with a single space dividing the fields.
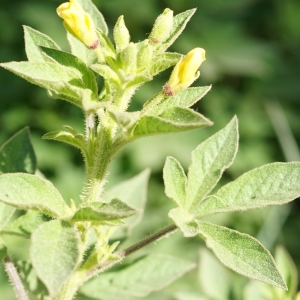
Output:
x=211 y=274
x=175 y=181
x=175 y=119
x=241 y=253
x=70 y=61
x=6 y=213
x=3 y=249
x=288 y=270
x=51 y=76
x=179 y=23
x=25 y=225
x=55 y=253
x=133 y=192
x=209 y=160
x=164 y=61
x=101 y=212
x=184 y=221
x=33 y=40
x=77 y=140
x=271 y=184
x=30 y=280
x=185 y=98
x=17 y=154
x=139 y=279
x=189 y=296
x=26 y=191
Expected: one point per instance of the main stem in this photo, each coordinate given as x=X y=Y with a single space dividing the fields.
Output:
x=101 y=154
x=70 y=288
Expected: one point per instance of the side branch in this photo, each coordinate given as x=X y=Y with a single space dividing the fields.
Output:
x=124 y=253
x=148 y=240
x=15 y=279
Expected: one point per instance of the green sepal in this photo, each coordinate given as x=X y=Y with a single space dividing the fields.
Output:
x=33 y=40
x=163 y=61
x=179 y=23
x=99 y=212
x=175 y=119
x=25 y=225
x=51 y=76
x=242 y=253
x=70 y=61
x=106 y=45
x=26 y=191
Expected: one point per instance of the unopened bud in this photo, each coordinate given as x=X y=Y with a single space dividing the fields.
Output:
x=162 y=27
x=128 y=58
x=121 y=35
x=144 y=56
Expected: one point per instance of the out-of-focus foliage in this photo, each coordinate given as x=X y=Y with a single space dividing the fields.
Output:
x=253 y=59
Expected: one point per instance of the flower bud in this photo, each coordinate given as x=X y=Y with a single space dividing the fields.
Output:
x=145 y=54
x=128 y=58
x=121 y=35
x=78 y=23
x=162 y=27
x=185 y=72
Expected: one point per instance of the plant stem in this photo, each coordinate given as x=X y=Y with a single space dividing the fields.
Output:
x=124 y=253
x=70 y=288
x=15 y=279
x=148 y=240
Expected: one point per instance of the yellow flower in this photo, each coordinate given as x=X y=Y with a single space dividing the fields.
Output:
x=78 y=23
x=185 y=72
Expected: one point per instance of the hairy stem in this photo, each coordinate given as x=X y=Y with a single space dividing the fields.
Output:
x=148 y=240
x=15 y=279
x=71 y=287
x=124 y=253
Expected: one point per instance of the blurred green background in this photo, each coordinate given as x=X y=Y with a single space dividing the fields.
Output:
x=253 y=62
